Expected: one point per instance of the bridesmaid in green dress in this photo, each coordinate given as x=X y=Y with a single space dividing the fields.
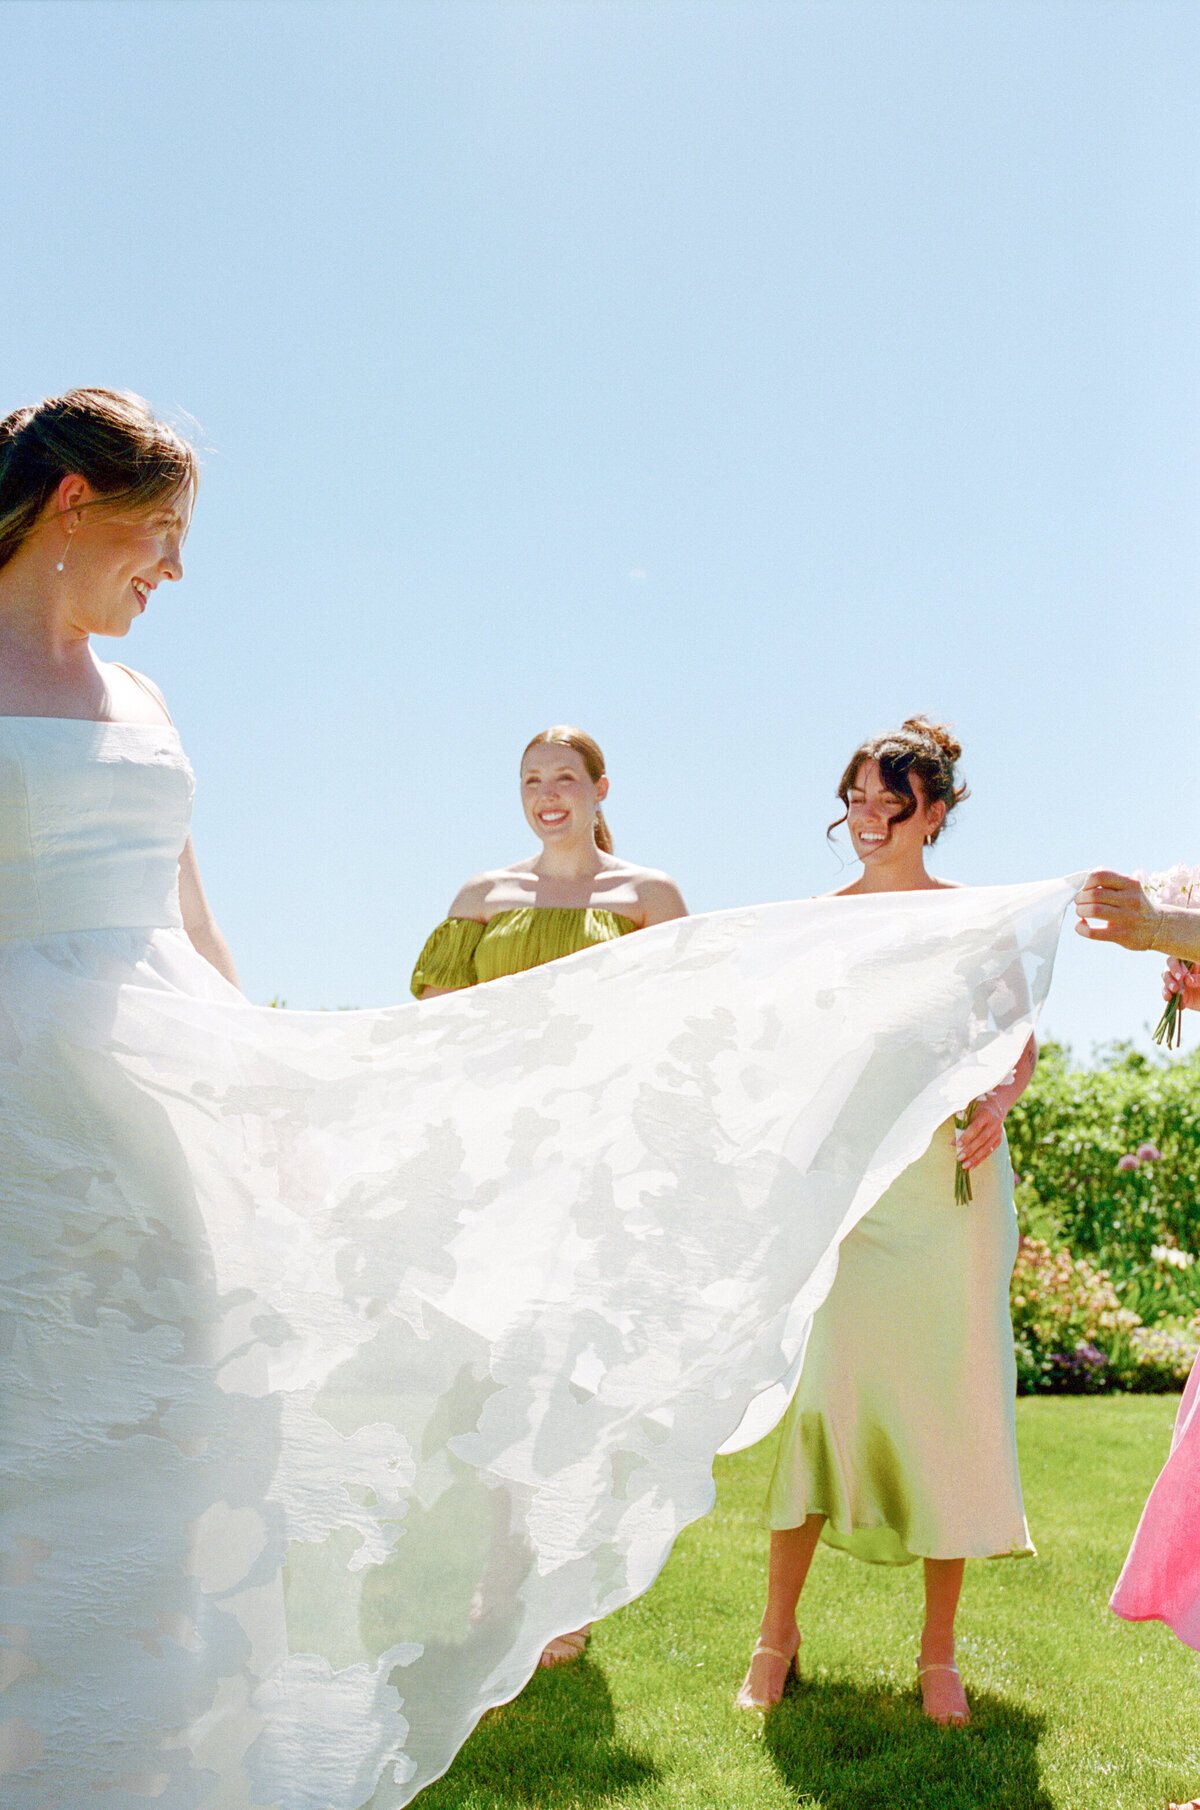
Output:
x=900 y=1441
x=572 y=895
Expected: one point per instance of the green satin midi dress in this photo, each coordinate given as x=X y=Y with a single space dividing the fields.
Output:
x=902 y=1430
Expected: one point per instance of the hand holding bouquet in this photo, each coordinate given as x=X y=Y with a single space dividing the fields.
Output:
x=1179 y=885
x=962 y=1180
x=979 y=1128
x=977 y=1132
x=1181 y=989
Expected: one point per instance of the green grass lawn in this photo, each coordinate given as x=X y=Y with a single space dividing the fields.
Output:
x=1072 y=1707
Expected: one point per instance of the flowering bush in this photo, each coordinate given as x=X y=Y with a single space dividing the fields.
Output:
x=1110 y=1165
x=1106 y=1290
x=1163 y=1355
x=1067 y=1320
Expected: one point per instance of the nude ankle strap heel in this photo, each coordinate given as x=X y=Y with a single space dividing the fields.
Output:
x=745 y=1699
x=956 y=1718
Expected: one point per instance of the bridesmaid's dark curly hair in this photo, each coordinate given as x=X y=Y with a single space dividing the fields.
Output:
x=132 y=460
x=919 y=747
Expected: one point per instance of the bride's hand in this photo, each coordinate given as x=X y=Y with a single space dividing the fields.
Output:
x=981 y=1136
x=1179 y=977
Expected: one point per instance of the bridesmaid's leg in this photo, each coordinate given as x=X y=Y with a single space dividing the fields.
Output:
x=792 y=1551
x=941 y=1687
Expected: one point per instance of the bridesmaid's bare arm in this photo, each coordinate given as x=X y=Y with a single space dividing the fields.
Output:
x=983 y=1134
x=660 y=900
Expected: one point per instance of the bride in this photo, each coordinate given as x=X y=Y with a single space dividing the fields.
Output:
x=82 y=557
x=349 y=1358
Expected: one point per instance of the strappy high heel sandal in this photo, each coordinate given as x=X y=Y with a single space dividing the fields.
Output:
x=954 y=1718
x=746 y=1698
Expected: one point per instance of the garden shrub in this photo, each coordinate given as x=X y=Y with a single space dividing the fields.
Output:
x=1106 y=1290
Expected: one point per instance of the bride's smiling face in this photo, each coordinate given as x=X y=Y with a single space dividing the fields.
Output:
x=558 y=793
x=112 y=563
x=872 y=811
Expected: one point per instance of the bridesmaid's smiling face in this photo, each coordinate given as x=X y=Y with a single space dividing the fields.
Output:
x=558 y=794
x=872 y=811
x=112 y=563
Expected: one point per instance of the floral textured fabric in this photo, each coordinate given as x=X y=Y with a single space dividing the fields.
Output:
x=347 y=1358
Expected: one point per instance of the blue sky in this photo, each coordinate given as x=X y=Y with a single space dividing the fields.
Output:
x=731 y=378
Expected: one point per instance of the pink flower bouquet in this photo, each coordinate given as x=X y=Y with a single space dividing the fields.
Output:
x=1177 y=886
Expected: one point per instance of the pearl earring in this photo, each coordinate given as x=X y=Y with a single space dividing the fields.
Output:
x=66 y=550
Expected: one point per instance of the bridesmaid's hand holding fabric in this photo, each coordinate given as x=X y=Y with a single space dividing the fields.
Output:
x=1126 y=913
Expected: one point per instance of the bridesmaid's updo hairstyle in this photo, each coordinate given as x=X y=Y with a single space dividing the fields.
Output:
x=918 y=747
x=563 y=736
x=110 y=437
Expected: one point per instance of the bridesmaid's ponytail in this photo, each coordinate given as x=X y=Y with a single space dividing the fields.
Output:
x=564 y=736
x=131 y=460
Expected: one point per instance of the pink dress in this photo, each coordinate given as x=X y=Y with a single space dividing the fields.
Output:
x=1161 y=1577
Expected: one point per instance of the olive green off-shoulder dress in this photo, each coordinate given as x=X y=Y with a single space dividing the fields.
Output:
x=463 y=951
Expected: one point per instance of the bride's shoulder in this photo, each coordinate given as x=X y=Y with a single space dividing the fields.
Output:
x=137 y=699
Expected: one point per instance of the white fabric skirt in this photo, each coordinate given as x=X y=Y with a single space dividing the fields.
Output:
x=348 y=1357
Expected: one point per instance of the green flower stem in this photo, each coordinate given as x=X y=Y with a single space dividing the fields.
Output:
x=1169 y=1029
x=962 y=1180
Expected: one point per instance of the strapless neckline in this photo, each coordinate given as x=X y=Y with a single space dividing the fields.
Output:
x=514 y=911
x=91 y=722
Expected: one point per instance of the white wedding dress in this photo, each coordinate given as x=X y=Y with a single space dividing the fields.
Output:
x=348 y=1357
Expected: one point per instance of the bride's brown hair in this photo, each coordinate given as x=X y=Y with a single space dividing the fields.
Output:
x=110 y=437
x=563 y=736
x=918 y=747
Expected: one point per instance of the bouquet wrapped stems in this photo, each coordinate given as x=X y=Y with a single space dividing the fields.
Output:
x=1168 y=1030
x=962 y=1179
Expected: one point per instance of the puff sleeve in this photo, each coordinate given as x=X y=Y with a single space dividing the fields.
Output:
x=448 y=958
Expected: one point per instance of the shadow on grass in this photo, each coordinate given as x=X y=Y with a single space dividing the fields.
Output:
x=556 y=1741
x=855 y=1749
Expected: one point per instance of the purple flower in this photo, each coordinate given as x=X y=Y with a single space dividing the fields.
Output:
x=1077 y=1372
x=1127 y=1162
x=1149 y=1153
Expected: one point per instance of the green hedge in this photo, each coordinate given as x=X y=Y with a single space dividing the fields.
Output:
x=1106 y=1293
